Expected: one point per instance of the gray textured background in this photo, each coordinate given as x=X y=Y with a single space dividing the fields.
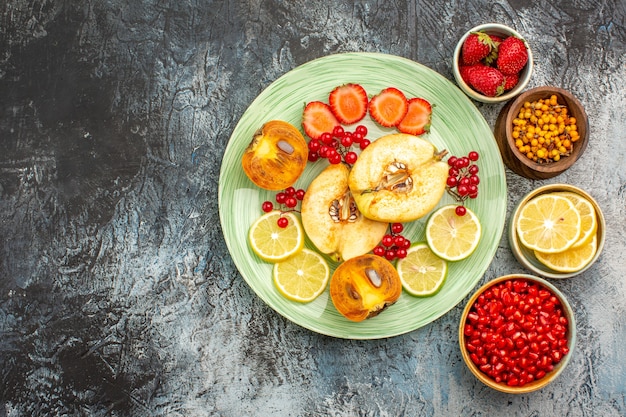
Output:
x=117 y=294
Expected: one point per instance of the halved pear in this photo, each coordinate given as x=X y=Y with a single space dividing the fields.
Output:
x=331 y=219
x=398 y=178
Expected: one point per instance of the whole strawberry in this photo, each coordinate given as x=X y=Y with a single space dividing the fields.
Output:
x=465 y=70
x=512 y=55
x=510 y=81
x=476 y=46
x=487 y=80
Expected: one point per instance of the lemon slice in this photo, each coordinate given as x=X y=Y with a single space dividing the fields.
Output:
x=302 y=277
x=450 y=236
x=273 y=243
x=588 y=220
x=548 y=223
x=571 y=260
x=422 y=273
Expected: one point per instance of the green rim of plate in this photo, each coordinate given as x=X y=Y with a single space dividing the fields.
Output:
x=457 y=126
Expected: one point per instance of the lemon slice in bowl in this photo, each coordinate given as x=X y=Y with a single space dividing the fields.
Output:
x=548 y=223
x=302 y=277
x=450 y=236
x=588 y=219
x=422 y=273
x=570 y=260
x=273 y=243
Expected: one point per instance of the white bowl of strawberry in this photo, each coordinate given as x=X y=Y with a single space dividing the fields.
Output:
x=517 y=333
x=492 y=63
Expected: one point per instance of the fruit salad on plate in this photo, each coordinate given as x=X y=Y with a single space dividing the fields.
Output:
x=355 y=210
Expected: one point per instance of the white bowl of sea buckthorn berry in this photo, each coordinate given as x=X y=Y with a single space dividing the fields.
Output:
x=492 y=63
x=517 y=333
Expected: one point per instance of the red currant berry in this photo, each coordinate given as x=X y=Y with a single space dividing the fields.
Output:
x=390 y=254
x=462 y=162
x=473 y=195
x=334 y=158
x=472 y=189
x=464 y=181
x=357 y=137
x=361 y=130
x=364 y=143
x=452 y=161
x=462 y=190
x=314 y=145
x=453 y=172
x=313 y=156
x=326 y=138
x=350 y=158
x=452 y=182
x=379 y=250
x=397 y=227
x=387 y=240
x=323 y=152
x=267 y=206
x=282 y=222
x=346 y=141
x=401 y=253
x=338 y=131
x=300 y=194
x=398 y=241
x=474 y=179
x=291 y=202
x=460 y=210
x=290 y=191
x=473 y=169
x=281 y=197
x=473 y=156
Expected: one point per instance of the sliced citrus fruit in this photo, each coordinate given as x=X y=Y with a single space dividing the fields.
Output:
x=571 y=260
x=548 y=223
x=588 y=219
x=273 y=243
x=422 y=273
x=450 y=236
x=302 y=277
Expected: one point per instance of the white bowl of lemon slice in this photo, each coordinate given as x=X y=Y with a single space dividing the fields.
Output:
x=557 y=231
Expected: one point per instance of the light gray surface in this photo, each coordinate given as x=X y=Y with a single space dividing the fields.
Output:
x=117 y=293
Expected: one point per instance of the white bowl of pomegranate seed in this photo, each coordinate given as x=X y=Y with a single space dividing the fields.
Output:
x=517 y=333
x=492 y=63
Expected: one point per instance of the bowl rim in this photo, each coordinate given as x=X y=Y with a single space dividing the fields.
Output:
x=511 y=111
x=526 y=72
x=535 y=267
x=550 y=376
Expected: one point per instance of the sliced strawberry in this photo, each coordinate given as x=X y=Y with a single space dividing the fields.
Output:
x=317 y=119
x=388 y=107
x=348 y=103
x=417 y=119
